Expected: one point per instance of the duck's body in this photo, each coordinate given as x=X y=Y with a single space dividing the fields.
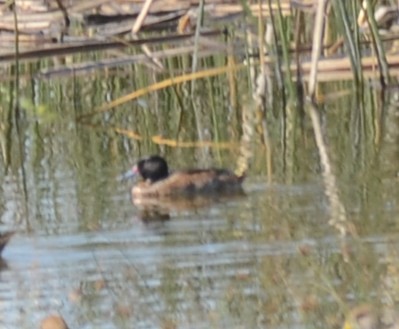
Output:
x=190 y=182
x=157 y=181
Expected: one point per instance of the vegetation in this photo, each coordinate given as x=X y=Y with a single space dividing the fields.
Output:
x=292 y=91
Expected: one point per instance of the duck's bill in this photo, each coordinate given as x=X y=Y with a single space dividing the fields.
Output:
x=131 y=173
x=127 y=175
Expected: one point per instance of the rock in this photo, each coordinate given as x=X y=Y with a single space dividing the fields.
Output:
x=53 y=322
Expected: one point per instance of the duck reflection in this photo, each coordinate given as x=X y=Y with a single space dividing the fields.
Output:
x=4 y=239
x=160 y=208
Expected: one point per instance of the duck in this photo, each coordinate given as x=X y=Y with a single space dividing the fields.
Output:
x=158 y=181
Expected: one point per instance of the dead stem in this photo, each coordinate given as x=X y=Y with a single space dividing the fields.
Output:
x=317 y=42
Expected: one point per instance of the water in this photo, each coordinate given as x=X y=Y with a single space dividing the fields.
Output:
x=223 y=265
x=190 y=270
x=265 y=259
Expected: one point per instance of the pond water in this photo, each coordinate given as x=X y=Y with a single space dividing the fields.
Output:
x=268 y=258
x=201 y=268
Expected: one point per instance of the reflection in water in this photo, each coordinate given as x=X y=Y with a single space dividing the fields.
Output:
x=3 y=264
x=160 y=208
x=232 y=261
x=4 y=238
x=226 y=262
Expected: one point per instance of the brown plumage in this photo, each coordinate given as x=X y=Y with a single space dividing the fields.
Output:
x=158 y=182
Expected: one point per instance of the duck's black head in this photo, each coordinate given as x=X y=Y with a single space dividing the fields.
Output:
x=153 y=168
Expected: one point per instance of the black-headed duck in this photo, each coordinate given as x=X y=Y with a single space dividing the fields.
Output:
x=159 y=182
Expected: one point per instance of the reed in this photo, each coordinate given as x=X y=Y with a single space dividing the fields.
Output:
x=377 y=45
x=350 y=41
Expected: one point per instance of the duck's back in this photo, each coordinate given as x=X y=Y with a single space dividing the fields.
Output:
x=188 y=182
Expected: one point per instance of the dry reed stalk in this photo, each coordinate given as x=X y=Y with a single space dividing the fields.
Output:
x=329 y=69
x=348 y=75
x=196 y=40
x=34 y=19
x=136 y=27
x=31 y=22
x=340 y=65
x=194 y=93
x=86 y=67
x=87 y=46
x=125 y=26
x=140 y=19
x=194 y=68
x=256 y=9
x=329 y=64
x=316 y=48
x=28 y=39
